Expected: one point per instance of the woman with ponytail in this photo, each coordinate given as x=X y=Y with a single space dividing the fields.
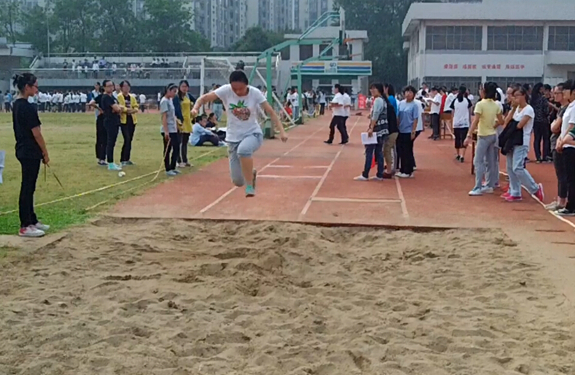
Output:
x=30 y=151
x=461 y=120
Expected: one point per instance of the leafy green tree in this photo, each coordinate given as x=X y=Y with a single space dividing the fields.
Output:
x=74 y=23
x=36 y=27
x=383 y=20
x=119 y=29
x=167 y=27
x=257 y=39
x=10 y=11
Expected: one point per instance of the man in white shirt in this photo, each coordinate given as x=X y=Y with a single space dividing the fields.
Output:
x=294 y=100
x=339 y=116
x=347 y=104
x=83 y=100
x=95 y=69
x=142 y=103
x=435 y=103
x=422 y=91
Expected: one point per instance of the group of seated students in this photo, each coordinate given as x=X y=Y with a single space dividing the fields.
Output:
x=204 y=132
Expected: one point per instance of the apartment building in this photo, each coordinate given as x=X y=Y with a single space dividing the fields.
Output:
x=223 y=22
x=507 y=41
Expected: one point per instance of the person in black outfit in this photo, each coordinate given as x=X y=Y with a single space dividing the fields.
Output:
x=128 y=122
x=101 y=135
x=112 y=111
x=30 y=152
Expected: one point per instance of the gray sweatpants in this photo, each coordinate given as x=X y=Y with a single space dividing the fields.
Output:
x=486 y=160
x=243 y=149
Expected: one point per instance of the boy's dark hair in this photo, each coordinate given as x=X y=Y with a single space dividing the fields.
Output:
x=409 y=88
x=203 y=117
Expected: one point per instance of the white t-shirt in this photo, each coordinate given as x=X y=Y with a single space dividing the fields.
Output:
x=83 y=97
x=568 y=120
x=95 y=67
x=142 y=99
x=242 y=112
x=450 y=98
x=419 y=126
x=339 y=111
x=294 y=99
x=347 y=103
x=528 y=128
x=435 y=108
x=461 y=113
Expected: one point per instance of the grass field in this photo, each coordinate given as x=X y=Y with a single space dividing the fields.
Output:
x=70 y=139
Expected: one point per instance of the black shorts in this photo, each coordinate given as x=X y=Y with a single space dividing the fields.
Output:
x=460 y=135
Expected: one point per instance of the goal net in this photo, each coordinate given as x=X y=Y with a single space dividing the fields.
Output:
x=216 y=71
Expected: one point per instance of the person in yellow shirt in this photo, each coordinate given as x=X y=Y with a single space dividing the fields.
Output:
x=128 y=120
x=488 y=116
x=183 y=104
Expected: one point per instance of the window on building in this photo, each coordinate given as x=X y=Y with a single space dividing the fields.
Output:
x=515 y=38
x=561 y=38
x=472 y=83
x=456 y=38
x=506 y=81
x=285 y=53
x=322 y=47
x=305 y=52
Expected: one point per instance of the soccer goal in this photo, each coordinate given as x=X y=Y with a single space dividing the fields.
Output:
x=216 y=70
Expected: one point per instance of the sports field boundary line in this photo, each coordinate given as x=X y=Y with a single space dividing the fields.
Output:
x=227 y=193
x=543 y=205
x=287 y=177
x=355 y=200
x=404 y=211
x=324 y=177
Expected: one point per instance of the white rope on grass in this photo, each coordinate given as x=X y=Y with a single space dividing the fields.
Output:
x=156 y=172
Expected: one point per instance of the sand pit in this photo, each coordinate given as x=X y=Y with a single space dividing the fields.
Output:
x=175 y=298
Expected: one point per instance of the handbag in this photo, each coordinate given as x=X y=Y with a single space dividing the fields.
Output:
x=381 y=128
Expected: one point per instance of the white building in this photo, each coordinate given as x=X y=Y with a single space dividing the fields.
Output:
x=505 y=41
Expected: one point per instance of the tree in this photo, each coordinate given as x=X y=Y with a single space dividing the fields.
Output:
x=257 y=39
x=167 y=25
x=121 y=31
x=9 y=16
x=74 y=23
x=383 y=20
x=35 y=28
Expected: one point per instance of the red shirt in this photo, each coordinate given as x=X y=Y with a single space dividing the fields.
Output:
x=443 y=99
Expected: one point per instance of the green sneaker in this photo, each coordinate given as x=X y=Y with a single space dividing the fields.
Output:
x=114 y=167
x=250 y=191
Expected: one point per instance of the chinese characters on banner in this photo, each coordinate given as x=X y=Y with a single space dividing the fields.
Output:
x=485 y=66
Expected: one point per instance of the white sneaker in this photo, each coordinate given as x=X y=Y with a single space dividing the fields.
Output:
x=42 y=227
x=31 y=232
x=404 y=175
x=361 y=178
x=486 y=190
x=475 y=193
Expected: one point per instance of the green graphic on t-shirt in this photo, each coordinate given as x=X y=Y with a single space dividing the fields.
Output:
x=240 y=110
